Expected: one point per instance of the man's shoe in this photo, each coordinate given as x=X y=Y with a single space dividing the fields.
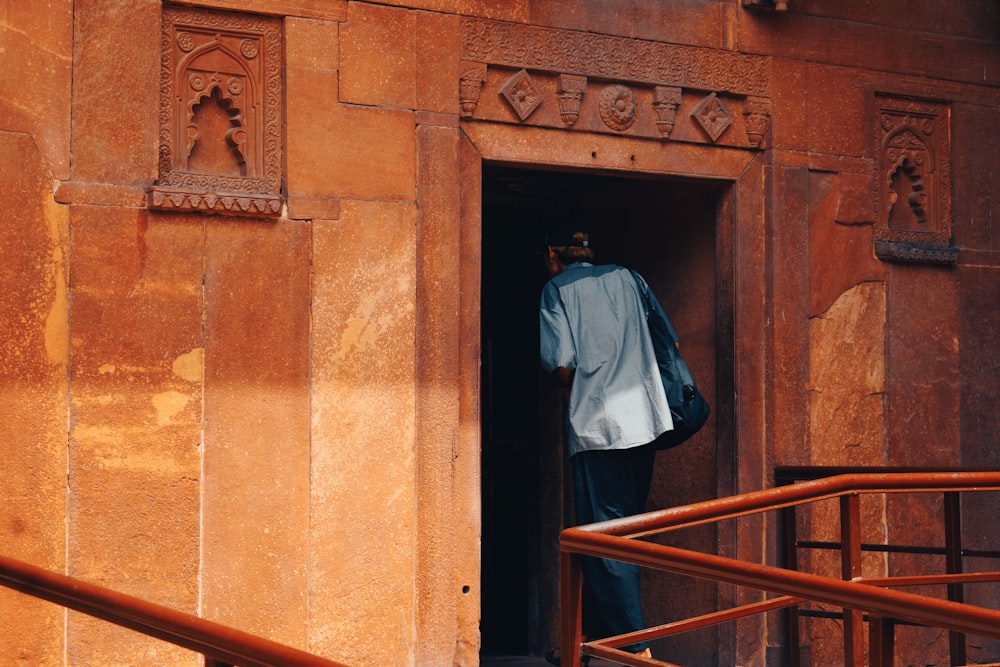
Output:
x=553 y=654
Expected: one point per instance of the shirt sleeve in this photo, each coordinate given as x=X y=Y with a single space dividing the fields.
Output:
x=556 y=340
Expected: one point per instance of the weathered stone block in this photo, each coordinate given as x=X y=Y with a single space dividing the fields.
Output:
x=818 y=35
x=847 y=379
x=363 y=459
x=680 y=21
x=330 y=10
x=375 y=70
x=509 y=10
x=834 y=128
x=256 y=460
x=840 y=252
x=135 y=415
x=438 y=65
x=790 y=119
x=312 y=43
x=115 y=110
x=34 y=348
x=346 y=151
x=923 y=383
x=37 y=77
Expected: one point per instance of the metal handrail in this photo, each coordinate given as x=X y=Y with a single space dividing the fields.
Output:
x=220 y=644
x=617 y=539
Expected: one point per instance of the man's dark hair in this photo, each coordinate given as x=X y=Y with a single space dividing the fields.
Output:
x=576 y=249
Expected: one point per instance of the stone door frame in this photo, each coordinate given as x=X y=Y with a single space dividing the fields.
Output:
x=741 y=303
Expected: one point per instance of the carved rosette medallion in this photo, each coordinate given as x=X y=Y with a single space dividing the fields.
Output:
x=617 y=107
x=521 y=94
x=570 y=95
x=713 y=116
x=913 y=193
x=220 y=114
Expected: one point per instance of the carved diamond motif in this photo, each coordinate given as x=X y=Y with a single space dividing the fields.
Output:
x=521 y=93
x=713 y=116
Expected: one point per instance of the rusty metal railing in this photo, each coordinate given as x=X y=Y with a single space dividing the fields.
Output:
x=619 y=540
x=221 y=645
x=951 y=548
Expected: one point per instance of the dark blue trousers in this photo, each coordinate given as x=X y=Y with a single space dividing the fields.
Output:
x=609 y=484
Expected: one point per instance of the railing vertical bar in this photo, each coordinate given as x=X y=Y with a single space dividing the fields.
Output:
x=850 y=540
x=953 y=565
x=571 y=602
x=881 y=641
x=788 y=529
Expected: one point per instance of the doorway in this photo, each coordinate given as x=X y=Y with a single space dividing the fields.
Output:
x=666 y=228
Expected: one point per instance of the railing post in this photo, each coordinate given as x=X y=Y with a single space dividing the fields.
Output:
x=571 y=612
x=850 y=554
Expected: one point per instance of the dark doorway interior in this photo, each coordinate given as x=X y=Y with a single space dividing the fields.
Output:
x=664 y=228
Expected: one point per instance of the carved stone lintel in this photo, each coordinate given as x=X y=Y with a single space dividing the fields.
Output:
x=666 y=99
x=756 y=117
x=470 y=86
x=570 y=92
x=220 y=113
x=522 y=94
x=713 y=116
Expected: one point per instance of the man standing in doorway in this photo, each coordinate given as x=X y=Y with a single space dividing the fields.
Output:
x=596 y=342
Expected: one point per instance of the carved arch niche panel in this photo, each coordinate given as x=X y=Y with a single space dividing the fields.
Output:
x=220 y=114
x=914 y=181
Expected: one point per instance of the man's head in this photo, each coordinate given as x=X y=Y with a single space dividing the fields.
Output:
x=568 y=243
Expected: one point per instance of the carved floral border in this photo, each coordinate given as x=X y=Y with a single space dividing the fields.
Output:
x=618 y=58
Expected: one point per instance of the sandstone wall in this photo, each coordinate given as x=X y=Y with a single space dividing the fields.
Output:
x=272 y=419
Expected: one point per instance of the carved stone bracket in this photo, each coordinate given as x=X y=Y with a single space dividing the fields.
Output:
x=570 y=93
x=756 y=119
x=666 y=99
x=913 y=191
x=220 y=114
x=470 y=86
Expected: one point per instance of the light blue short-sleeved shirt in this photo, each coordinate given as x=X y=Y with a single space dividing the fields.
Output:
x=593 y=321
